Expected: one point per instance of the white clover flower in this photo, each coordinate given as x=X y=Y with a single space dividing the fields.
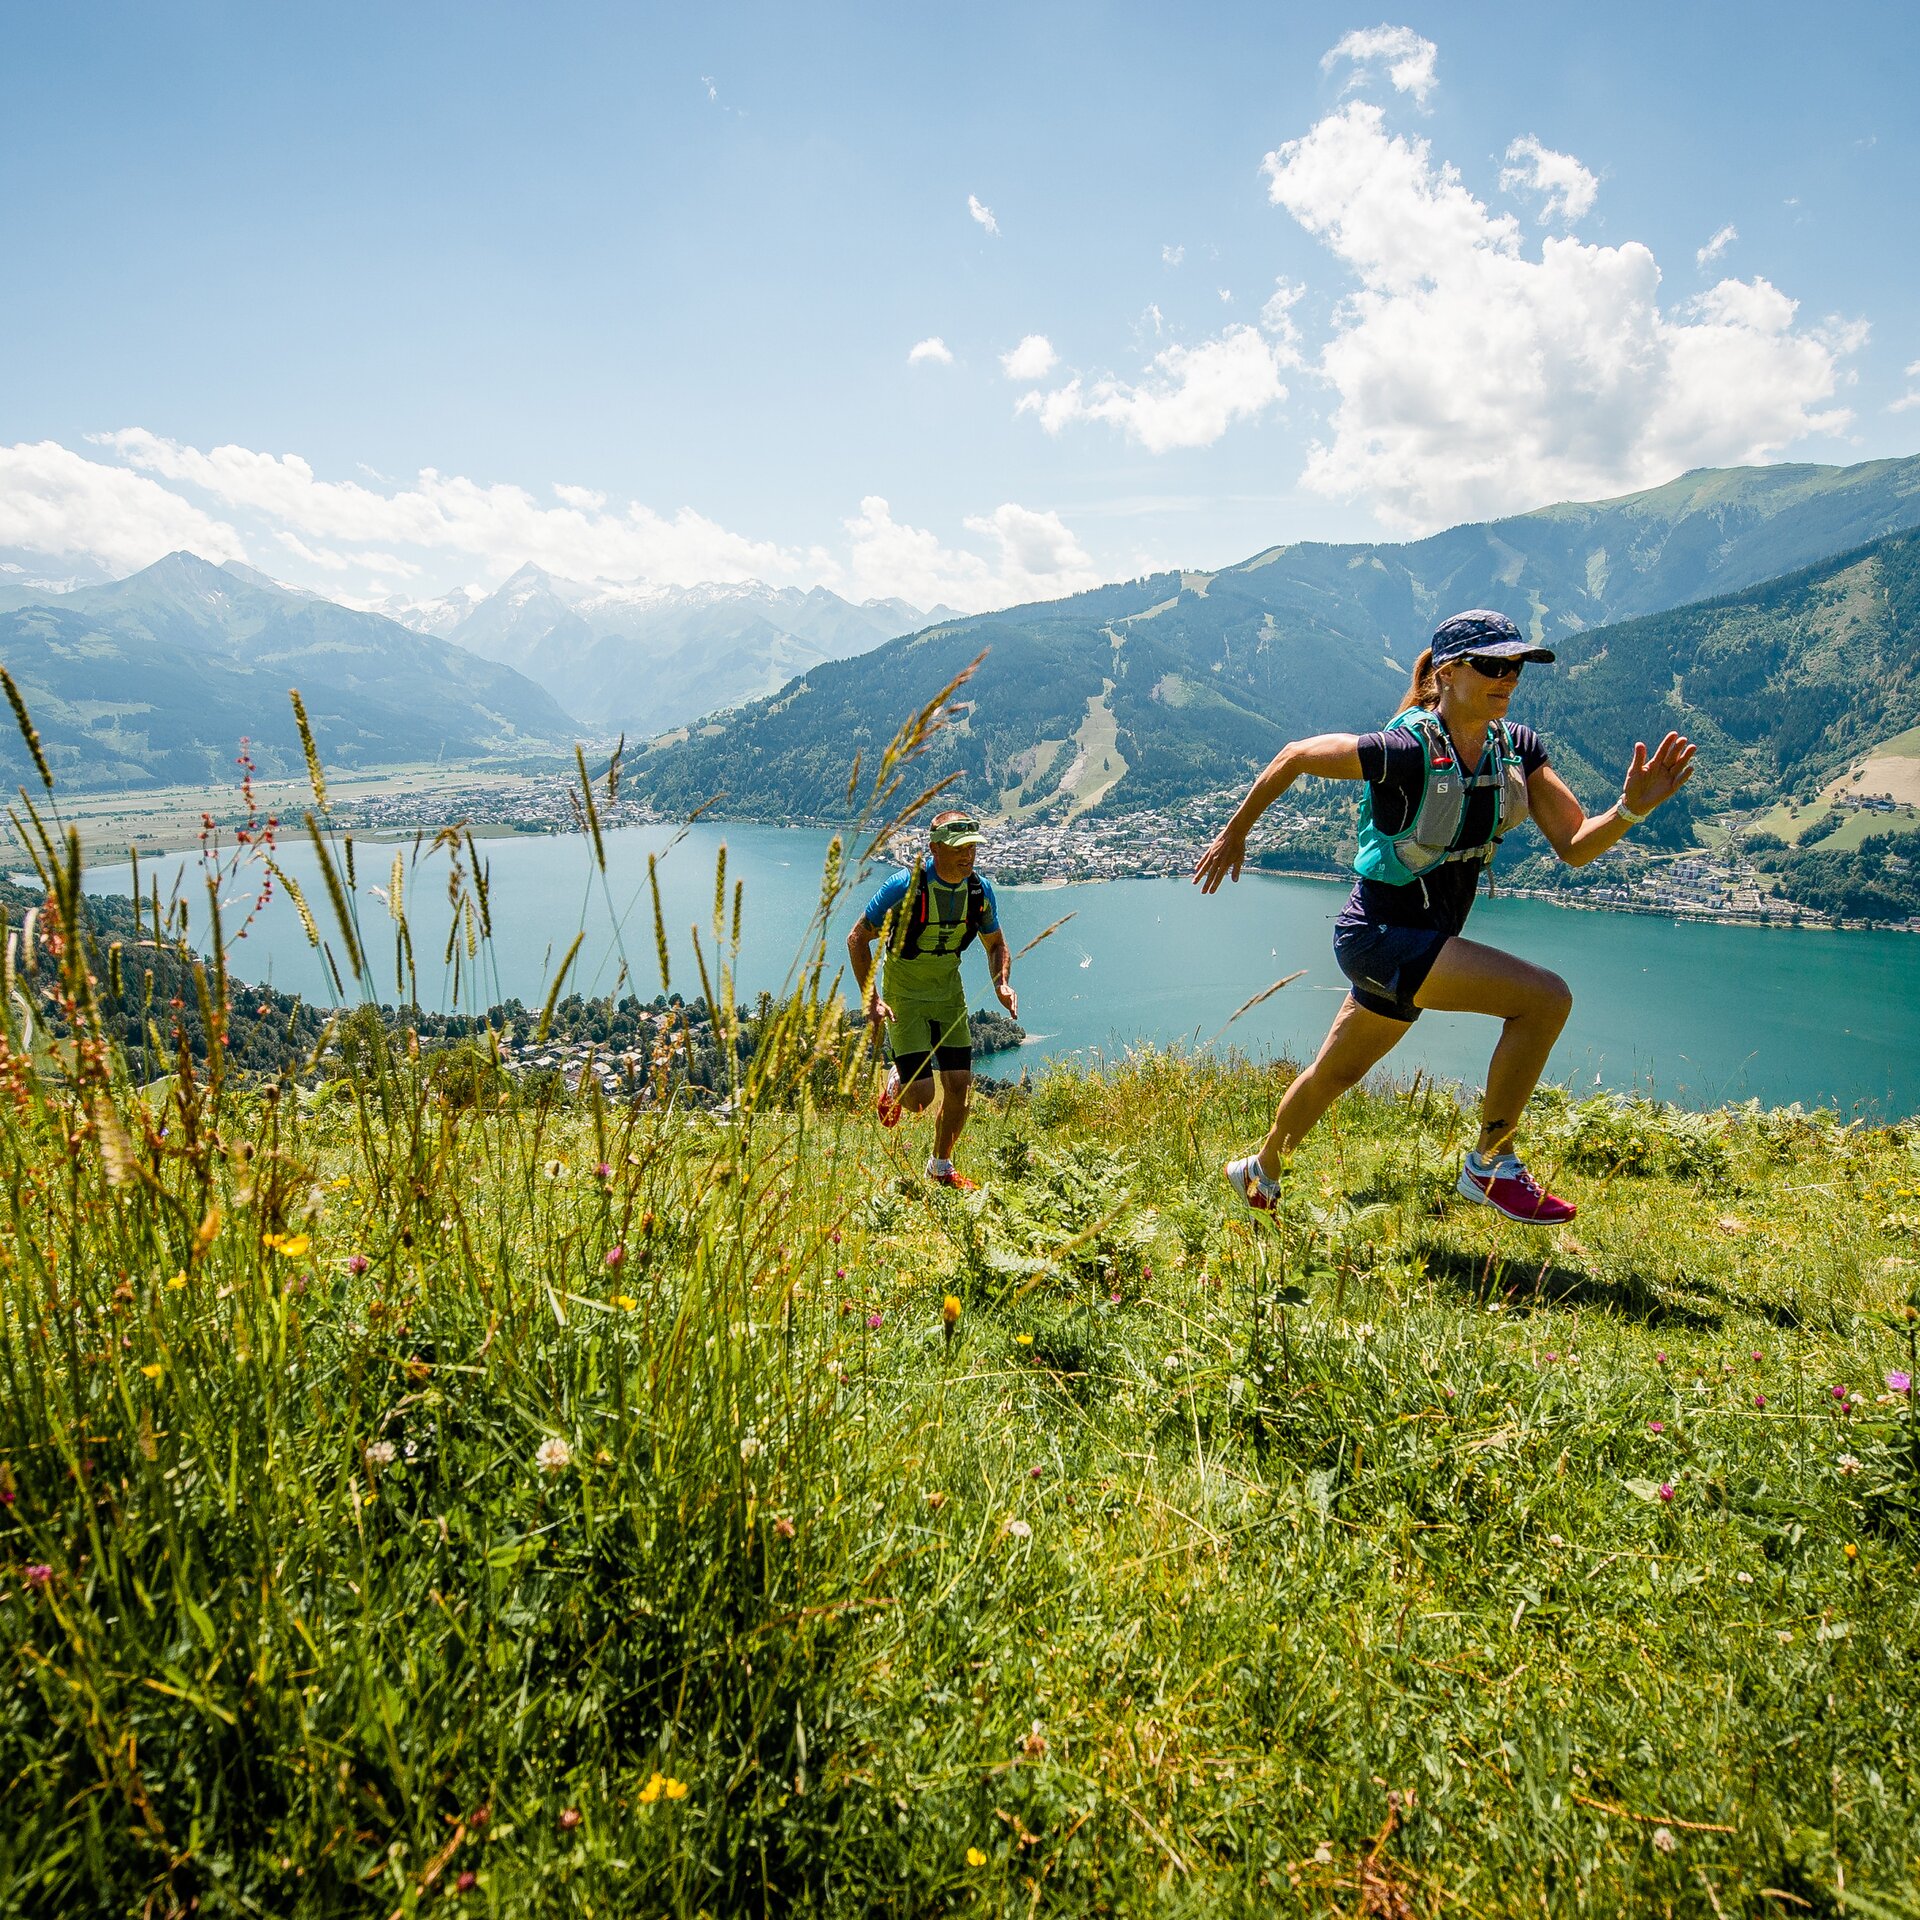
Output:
x=1663 y=1839
x=1554 y=1540
x=1019 y=1530
x=1323 y=1855
x=553 y=1456
x=1848 y=1463
x=750 y=1447
x=1745 y=1579
x=380 y=1453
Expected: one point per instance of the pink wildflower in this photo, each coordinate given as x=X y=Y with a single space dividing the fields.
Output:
x=1898 y=1382
x=40 y=1575
x=873 y=1322
x=356 y=1264
x=616 y=1254
x=1656 y=1426
x=1666 y=1489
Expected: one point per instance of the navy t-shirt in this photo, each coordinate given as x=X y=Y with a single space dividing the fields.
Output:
x=1394 y=764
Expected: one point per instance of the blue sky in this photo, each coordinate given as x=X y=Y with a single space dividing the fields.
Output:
x=387 y=300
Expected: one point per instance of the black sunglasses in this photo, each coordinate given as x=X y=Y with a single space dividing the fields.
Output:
x=1490 y=668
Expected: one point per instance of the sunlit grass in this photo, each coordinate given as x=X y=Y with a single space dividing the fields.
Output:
x=627 y=1509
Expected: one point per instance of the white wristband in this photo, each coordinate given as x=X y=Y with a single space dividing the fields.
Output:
x=1627 y=814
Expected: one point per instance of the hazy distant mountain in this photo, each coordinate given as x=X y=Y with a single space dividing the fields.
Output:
x=439 y=616
x=645 y=658
x=1147 y=692
x=157 y=678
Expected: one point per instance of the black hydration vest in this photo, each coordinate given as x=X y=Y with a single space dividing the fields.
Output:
x=910 y=919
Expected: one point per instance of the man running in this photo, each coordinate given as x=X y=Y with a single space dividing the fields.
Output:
x=928 y=915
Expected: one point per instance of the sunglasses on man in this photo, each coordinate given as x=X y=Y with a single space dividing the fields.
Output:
x=1490 y=668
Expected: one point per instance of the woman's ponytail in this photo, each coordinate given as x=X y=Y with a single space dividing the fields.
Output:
x=1425 y=690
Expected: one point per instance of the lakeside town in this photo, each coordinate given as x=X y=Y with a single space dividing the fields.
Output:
x=1719 y=882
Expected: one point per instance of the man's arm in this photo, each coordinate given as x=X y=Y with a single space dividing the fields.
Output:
x=860 y=957
x=1000 y=960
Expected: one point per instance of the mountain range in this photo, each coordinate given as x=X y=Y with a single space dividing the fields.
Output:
x=642 y=659
x=1150 y=691
x=1770 y=611
x=156 y=678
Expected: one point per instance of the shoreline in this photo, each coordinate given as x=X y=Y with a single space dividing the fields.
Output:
x=388 y=833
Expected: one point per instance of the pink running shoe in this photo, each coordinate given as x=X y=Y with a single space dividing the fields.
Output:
x=1253 y=1186
x=888 y=1105
x=1508 y=1188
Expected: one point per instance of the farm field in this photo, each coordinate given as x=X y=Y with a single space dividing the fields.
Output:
x=413 y=1508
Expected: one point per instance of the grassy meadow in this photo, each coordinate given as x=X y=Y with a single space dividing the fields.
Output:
x=417 y=1507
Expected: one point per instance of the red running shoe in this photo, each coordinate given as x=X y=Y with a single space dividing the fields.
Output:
x=950 y=1177
x=888 y=1105
x=1508 y=1188
x=1253 y=1186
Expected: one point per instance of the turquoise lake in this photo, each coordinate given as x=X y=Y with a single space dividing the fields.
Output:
x=1696 y=1013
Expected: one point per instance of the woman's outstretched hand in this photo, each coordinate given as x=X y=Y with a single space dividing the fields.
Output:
x=1222 y=859
x=1652 y=783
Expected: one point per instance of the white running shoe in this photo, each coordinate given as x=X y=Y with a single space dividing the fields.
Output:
x=1253 y=1186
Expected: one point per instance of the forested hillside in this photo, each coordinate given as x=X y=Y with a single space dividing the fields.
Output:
x=1147 y=693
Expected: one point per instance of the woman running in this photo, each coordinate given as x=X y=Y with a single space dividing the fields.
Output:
x=1447 y=779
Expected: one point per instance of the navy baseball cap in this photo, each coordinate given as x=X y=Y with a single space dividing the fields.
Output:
x=1483 y=632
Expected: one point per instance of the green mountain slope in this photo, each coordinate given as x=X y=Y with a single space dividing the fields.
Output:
x=1145 y=692
x=158 y=677
x=1780 y=685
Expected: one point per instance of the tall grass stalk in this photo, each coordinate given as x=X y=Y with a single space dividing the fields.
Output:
x=520 y=1507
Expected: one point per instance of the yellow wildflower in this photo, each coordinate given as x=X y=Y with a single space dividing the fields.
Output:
x=1023 y=1339
x=153 y=1372
x=625 y=1302
x=975 y=1858
x=652 y=1790
x=294 y=1247
x=179 y=1280
x=950 y=1308
x=676 y=1789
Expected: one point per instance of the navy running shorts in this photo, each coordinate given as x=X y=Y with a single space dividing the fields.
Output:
x=1386 y=966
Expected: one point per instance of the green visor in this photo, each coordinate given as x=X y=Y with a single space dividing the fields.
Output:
x=956 y=833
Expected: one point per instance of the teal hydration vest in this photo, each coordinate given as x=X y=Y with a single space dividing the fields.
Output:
x=1427 y=840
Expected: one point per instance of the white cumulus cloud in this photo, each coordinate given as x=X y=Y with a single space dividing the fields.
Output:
x=144 y=496
x=1721 y=241
x=54 y=501
x=1189 y=396
x=499 y=525
x=1033 y=359
x=1034 y=557
x=1567 y=189
x=1408 y=56
x=1911 y=398
x=1470 y=379
x=932 y=351
x=983 y=215
x=1172 y=256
